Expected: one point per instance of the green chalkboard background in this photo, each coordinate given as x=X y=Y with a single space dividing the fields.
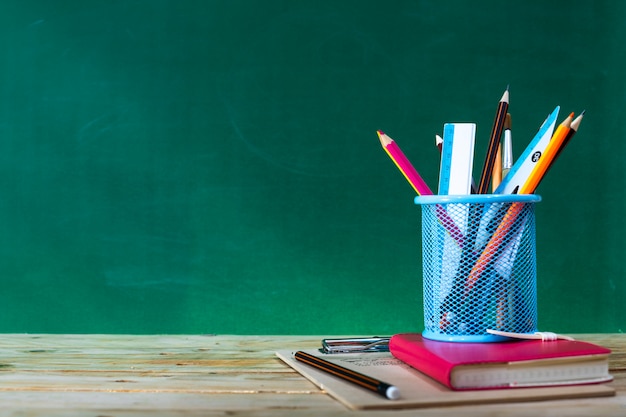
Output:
x=212 y=166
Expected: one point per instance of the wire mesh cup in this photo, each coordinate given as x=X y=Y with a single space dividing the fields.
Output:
x=479 y=266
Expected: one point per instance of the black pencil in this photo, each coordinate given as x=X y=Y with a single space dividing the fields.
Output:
x=496 y=132
x=372 y=384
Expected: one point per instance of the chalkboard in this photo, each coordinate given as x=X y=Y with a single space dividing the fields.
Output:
x=206 y=166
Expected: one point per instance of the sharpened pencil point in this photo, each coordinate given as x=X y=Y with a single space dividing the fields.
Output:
x=505 y=96
x=383 y=138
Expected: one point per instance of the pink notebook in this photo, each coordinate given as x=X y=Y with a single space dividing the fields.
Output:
x=515 y=364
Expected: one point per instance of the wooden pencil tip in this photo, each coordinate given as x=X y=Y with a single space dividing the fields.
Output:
x=383 y=138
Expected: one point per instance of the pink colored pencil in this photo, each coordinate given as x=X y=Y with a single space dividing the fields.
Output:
x=403 y=164
x=418 y=184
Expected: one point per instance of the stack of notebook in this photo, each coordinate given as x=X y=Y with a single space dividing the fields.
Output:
x=431 y=373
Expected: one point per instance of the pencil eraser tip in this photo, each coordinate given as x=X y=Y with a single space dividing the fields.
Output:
x=393 y=393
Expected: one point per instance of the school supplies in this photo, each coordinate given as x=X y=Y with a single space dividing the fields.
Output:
x=457 y=147
x=475 y=276
x=418 y=390
x=518 y=364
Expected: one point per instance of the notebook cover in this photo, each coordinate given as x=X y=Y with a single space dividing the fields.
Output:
x=437 y=359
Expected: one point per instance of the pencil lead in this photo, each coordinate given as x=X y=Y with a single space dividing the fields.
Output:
x=583 y=112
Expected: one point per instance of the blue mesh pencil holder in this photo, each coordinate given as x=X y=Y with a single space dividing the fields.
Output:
x=479 y=266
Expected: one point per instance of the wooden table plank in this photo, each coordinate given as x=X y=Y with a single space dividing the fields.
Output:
x=43 y=401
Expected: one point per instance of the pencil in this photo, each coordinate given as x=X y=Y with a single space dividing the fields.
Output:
x=545 y=160
x=439 y=142
x=418 y=184
x=372 y=384
x=572 y=131
x=403 y=164
x=496 y=132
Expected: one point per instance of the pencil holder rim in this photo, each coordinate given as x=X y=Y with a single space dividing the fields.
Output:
x=477 y=198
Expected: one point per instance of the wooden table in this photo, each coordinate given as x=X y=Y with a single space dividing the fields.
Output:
x=208 y=375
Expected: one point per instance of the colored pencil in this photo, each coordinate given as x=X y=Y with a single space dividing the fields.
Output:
x=403 y=164
x=496 y=132
x=418 y=184
x=572 y=131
